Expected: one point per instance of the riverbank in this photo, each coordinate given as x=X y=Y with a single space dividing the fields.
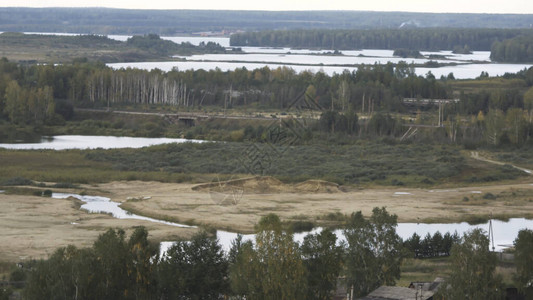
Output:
x=238 y=209
x=35 y=226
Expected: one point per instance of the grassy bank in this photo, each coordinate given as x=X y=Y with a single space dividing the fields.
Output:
x=72 y=167
x=362 y=163
x=428 y=269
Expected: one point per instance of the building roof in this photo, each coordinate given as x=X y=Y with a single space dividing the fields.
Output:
x=427 y=286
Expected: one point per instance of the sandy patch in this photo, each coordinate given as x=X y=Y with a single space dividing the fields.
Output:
x=241 y=210
x=33 y=227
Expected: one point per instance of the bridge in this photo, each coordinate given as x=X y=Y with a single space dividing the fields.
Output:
x=428 y=102
x=188 y=118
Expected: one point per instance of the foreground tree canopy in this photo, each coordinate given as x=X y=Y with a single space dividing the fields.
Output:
x=273 y=266
x=524 y=259
x=473 y=268
x=373 y=251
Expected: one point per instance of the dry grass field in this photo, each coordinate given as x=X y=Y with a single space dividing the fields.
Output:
x=35 y=226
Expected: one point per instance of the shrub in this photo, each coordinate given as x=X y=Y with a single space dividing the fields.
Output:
x=65 y=185
x=489 y=196
x=301 y=226
x=17 y=181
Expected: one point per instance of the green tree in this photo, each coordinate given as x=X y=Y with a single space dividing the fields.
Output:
x=244 y=279
x=472 y=266
x=524 y=259
x=141 y=267
x=517 y=125
x=15 y=103
x=112 y=254
x=273 y=269
x=279 y=261
x=195 y=269
x=322 y=259
x=528 y=106
x=494 y=126
x=373 y=251
x=69 y=273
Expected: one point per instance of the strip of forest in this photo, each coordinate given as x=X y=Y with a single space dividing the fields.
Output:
x=437 y=39
x=180 y=22
x=494 y=111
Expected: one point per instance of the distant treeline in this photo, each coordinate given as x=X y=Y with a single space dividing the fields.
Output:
x=515 y=50
x=411 y=38
x=431 y=246
x=369 y=90
x=176 y=22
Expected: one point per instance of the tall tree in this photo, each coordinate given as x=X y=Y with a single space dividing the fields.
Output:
x=373 y=251
x=195 y=269
x=141 y=267
x=111 y=251
x=322 y=259
x=494 y=126
x=473 y=268
x=16 y=103
x=524 y=259
x=275 y=265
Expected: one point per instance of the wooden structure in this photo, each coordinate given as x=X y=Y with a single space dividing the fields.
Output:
x=188 y=119
x=430 y=102
x=415 y=291
x=398 y=293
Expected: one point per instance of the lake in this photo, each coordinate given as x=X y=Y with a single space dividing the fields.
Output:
x=63 y=142
x=315 y=61
x=464 y=71
x=467 y=66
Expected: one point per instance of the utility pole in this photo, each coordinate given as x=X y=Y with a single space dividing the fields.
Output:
x=491 y=233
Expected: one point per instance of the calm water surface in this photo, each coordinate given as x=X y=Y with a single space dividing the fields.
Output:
x=63 y=142
x=504 y=232
x=308 y=60
x=97 y=204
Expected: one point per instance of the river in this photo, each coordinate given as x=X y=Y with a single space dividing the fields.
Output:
x=504 y=232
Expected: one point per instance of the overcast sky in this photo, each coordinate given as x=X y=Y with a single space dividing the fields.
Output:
x=462 y=6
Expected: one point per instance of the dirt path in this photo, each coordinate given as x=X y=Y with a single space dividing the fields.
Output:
x=475 y=155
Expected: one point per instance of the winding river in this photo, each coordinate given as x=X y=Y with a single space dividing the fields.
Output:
x=504 y=232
